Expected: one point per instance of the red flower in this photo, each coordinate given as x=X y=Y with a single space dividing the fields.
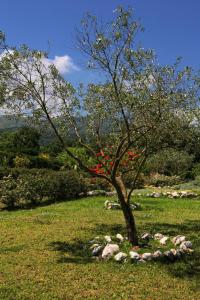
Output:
x=98 y=166
x=98 y=154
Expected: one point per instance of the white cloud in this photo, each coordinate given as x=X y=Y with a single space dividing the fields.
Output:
x=64 y=64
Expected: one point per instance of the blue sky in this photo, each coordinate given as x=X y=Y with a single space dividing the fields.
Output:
x=172 y=27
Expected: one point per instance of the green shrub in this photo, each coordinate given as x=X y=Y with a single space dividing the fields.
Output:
x=163 y=180
x=21 y=161
x=129 y=178
x=24 y=187
x=92 y=183
x=40 y=162
x=196 y=170
x=169 y=162
x=8 y=196
x=69 y=163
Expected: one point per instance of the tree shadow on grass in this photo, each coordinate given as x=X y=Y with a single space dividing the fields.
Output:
x=189 y=266
x=76 y=251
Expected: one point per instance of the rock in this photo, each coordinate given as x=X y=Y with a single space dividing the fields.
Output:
x=132 y=206
x=97 y=251
x=147 y=256
x=158 y=236
x=119 y=237
x=146 y=236
x=134 y=255
x=110 y=194
x=154 y=195
x=157 y=254
x=96 y=193
x=189 y=250
x=174 y=252
x=111 y=205
x=157 y=195
x=185 y=194
x=94 y=246
x=114 y=206
x=186 y=245
x=107 y=238
x=109 y=251
x=177 y=240
x=174 y=195
x=141 y=261
x=179 y=253
x=169 y=255
x=120 y=256
x=106 y=203
x=94 y=241
x=164 y=240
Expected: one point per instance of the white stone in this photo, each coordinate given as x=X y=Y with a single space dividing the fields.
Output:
x=157 y=254
x=156 y=195
x=174 y=195
x=94 y=246
x=177 y=240
x=110 y=194
x=179 y=253
x=110 y=250
x=185 y=245
x=164 y=240
x=147 y=256
x=107 y=238
x=134 y=255
x=146 y=236
x=158 y=236
x=106 y=203
x=93 y=241
x=119 y=237
x=120 y=256
x=141 y=261
x=173 y=251
x=96 y=251
x=169 y=255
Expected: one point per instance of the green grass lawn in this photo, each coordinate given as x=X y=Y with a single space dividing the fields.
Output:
x=43 y=254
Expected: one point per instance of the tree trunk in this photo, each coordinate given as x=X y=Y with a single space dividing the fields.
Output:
x=128 y=215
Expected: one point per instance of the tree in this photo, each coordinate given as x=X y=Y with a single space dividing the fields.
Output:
x=143 y=106
x=24 y=140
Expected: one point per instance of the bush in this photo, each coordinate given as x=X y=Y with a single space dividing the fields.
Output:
x=128 y=180
x=21 y=161
x=8 y=197
x=163 y=180
x=196 y=170
x=170 y=162
x=26 y=187
x=92 y=183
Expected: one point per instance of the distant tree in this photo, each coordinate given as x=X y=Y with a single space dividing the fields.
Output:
x=24 y=140
x=143 y=105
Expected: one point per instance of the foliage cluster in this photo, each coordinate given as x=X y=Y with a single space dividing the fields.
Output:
x=163 y=180
x=32 y=187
